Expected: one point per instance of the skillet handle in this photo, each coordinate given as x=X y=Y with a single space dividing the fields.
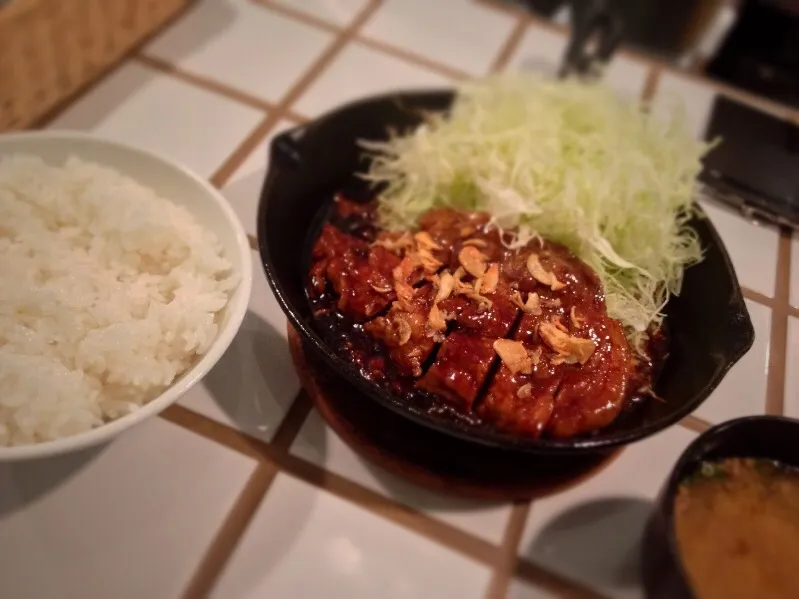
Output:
x=596 y=33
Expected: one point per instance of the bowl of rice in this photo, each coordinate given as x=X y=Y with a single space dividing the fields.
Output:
x=123 y=279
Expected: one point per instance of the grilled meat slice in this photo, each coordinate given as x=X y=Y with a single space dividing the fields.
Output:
x=592 y=395
x=405 y=332
x=523 y=402
x=460 y=368
x=360 y=274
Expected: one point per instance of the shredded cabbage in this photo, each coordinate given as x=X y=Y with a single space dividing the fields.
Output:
x=567 y=161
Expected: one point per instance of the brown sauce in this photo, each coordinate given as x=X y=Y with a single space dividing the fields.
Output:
x=737 y=525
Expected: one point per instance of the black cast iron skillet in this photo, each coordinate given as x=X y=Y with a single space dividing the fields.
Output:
x=767 y=437
x=709 y=324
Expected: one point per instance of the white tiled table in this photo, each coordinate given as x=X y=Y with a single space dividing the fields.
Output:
x=131 y=520
x=438 y=30
x=359 y=71
x=213 y=498
x=303 y=543
x=591 y=533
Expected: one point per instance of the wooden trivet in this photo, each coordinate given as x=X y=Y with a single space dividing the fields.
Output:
x=429 y=458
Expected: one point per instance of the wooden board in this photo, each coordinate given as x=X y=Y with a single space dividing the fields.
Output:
x=428 y=458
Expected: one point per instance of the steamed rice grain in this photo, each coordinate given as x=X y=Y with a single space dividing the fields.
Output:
x=108 y=293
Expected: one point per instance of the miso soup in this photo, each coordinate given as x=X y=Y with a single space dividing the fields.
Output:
x=737 y=525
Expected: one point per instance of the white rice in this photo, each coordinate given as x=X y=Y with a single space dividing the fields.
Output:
x=108 y=293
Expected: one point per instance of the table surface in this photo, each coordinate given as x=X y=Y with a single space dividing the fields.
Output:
x=240 y=490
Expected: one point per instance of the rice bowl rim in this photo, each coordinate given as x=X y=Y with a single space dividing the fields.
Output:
x=235 y=309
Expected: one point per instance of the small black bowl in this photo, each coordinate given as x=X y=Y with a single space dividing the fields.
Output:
x=709 y=324
x=766 y=437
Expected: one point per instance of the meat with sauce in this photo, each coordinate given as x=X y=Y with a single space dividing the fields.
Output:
x=590 y=397
x=518 y=338
x=481 y=310
x=404 y=332
x=360 y=274
x=521 y=398
x=460 y=368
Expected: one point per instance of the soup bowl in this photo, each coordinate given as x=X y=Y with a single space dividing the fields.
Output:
x=765 y=437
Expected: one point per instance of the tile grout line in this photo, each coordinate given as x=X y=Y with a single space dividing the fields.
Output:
x=212 y=85
x=719 y=87
x=301 y=16
x=757 y=297
x=240 y=154
x=651 y=84
x=553 y=582
x=375 y=44
x=457 y=540
x=212 y=430
x=388 y=49
x=508 y=558
x=236 y=158
x=513 y=11
x=510 y=45
x=292 y=422
x=61 y=106
x=230 y=532
x=238 y=518
x=778 y=344
x=695 y=424
x=278 y=453
x=203 y=82
x=413 y=58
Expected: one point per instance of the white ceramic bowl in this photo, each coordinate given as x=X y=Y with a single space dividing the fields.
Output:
x=181 y=186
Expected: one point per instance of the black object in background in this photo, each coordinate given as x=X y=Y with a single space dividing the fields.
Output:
x=596 y=31
x=761 y=52
x=654 y=26
x=756 y=167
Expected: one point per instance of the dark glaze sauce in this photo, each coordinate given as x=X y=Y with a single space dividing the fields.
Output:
x=354 y=345
x=458 y=378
